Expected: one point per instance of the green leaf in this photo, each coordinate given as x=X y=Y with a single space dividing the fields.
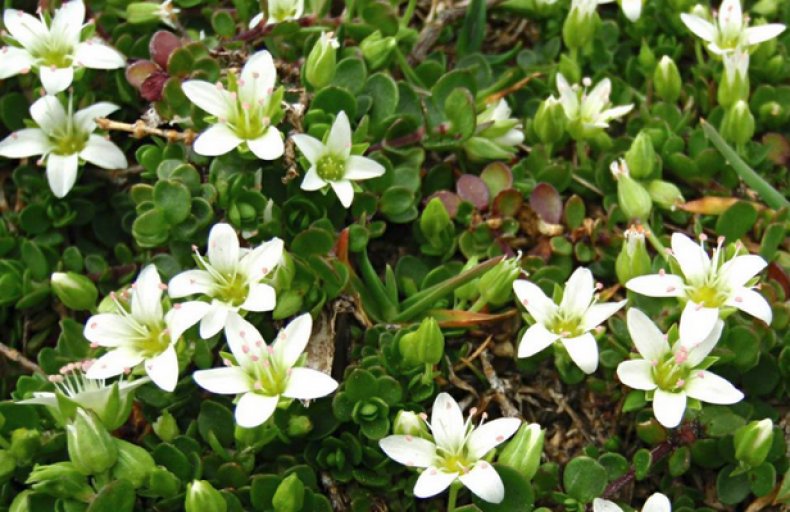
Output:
x=223 y=24
x=584 y=479
x=117 y=496
x=731 y=489
x=459 y=108
x=173 y=199
x=217 y=419
x=471 y=35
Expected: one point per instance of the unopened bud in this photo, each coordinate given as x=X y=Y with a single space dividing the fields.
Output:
x=633 y=260
x=550 y=121
x=377 y=49
x=91 y=448
x=641 y=157
x=423 y=346
x=408 y=423
x=496 y=285
x=666 y=80
x=74 y=290
x=166 y=427
x=523 y=452
x=632 y=197
x=737 y=126
x=61 y=480
x=734 y=84
x=665 y=194
x=753 y=442
x=202 y=497
x=321 y=62
x=25 y=444
x=134 y=463
x=579 y=26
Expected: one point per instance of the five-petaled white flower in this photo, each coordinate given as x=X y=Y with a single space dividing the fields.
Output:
x=141 y=333
x=655 y=503
x=730 y=30
x=495 y=124
x=456 y=452
x=588 y=110
x=707 y=285
x=280 y=11
x=569 y=322
x=262 y=373
x=54 y=49
x=673 y=374
x=231 y=278
x=63 y=138
x=333 y=164
x=243 y=112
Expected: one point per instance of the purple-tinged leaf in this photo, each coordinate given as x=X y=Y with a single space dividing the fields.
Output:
x=471 y=188
x=547 y=203
x=139 y=71
x=162 y=44
x=497 y=177
x=508 y=202
x=450 y=200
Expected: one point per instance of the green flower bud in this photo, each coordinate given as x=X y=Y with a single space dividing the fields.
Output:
x=437 y=228
x=163 y=484
x=523 y=452
x=469 y=290
x=25 y=445
x=579 y=26
x=21 y=502
x=202 y=497
x=7 y=465
x=134 y=463
x=641 y=157
x=646 y=58
x=631 y=195
x=665 y=194
x=734 y=84
x=299 y=426
x=408 y=423
x=91 y=448
x=143 y=12
x=633 y=260
x=377 y=49
x=289 y=496
x=423 y=346
x=74 y=290
x=321 y=62
x=753 y=442
x=666 y=80
x=550 y=121
x=496 y=285
x=771 y=112
x=737 y=126
x=166 y=427
x=60 y=480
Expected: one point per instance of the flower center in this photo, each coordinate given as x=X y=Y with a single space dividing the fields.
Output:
x=69 y=143
x=233 y=290
x=268 y=374
x=455 y=464
x=331 y=167
x=156 y=340
x=565 y=326
x=671 y=374
x=708 y=295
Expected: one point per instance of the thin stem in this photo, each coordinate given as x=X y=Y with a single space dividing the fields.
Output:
x=408 y=13
x=479 y=304
x=453 y=497
x=657 y=245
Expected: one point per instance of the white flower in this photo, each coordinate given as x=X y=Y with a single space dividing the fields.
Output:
x=586 y=8
x=456 y=452
x=632 y=9
x=54 y=49
x=708 y=285
x=332 y=163
x=167 y=13
x=262 y=373
x=736 y=64
x=496 y=124
x=569 y=322
x=243 y=113
x=63 y=138
x=280 y=11
x=589 y=109
x=655 y=503
x=231 y=278
x=730 y=30
x=141 y=333
x=673 y=374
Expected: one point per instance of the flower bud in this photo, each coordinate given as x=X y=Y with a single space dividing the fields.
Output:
x=25 y=444
x=632 y=197
x=408 y=423
x=665 y=194
x=633 y=260
x=299 y=426
x=74 y=290
x=666 y=79
x=468 y=291
x=143 y=12
x=202 y=497
x=550 y=121
x=60 y=480
x=21 y=502
x=289 y=496
x=134 y=463
x=737 y=126
x=163 y=484
x=437 y=228
x=523 y=452
x=7 y=465
x=641 y=157
x=734 y=84
x=423 y=346
x=646 y=57
x=321 y=62
x=771 y=112
x=753 y=442
x=632 y=9
x=377 y=49
x=496 y=285
x=579 y=26
x=91 y=448
x=166 y=427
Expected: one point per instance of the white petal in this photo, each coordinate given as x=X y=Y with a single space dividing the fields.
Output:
x=49 y=114
x=103 y=153
x=344 y=191
x=599 y=313
x=600 y=505
x=699 y=26
x=583 y=351
x=62 y=173
x=669 y=407
x=709 y=387
x=54 y=79
x=657 y=285
x=269 y=146
x=292 y=340
x=95 y=54
x=216 y=140
x=255 y=21
x=254 y=409
x=693 y=260
x=147 y=296
x=737 y=271
x=491 y=434
x=163 y=369
x=26 y=29
x=616 y=112
x=637 y=374
x=207 y=96
x=752 y=303
x=86 y=117
x=696 y=323
x=536 y=339
x=223 y=248
x=224 y=381
x=41 y=398
x=261 y=297
x=447 y=422
x=243 y=339
x=433 y=481
x=109 y=330
x=632 y=9
x=214 y=320
x=307 y=384
x=190 y=282
x=648 y=339
x=532 y=297
x=68 y=20
x=339 y=140
x=362 y=168
x=578 y=292
x=409 y=450
x=485 y=482
x=184 y=315
x=657 y=503
x=261 y=261
x=568 y=97
x=730 y=17
x=311 y=148
x=113 y=363
x=760 y=33
x=25 y=143
x=14 y=60
x=699 y=351
x=312 y=181
x=257 y=78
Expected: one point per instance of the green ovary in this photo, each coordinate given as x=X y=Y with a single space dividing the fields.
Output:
x=670 y=376
x=234 y=291
x=708 y=296
x=70 y=144
x=157 y=340
x=331 y=167
x=566 y=327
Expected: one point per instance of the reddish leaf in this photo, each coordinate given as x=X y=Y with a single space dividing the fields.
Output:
x=162 y=44
x=546 y=202
x=456 y=318
x=450 y=200
x=138 y=71
x=471 y=188
x=152 y=87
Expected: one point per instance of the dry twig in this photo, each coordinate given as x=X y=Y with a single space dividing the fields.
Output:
x=16 y=356
x=139 y=130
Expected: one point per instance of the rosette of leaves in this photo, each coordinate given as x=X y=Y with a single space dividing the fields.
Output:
x=365 y=399
x=348 y=458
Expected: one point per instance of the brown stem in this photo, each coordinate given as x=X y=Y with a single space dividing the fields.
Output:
x=16 y=356
x=139 y=130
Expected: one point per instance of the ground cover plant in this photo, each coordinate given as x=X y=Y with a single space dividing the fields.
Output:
x=312 y=255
